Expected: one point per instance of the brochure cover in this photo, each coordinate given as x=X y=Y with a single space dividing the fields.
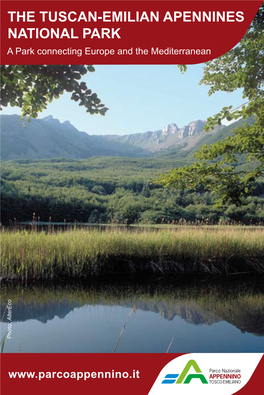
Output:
x=132 y=197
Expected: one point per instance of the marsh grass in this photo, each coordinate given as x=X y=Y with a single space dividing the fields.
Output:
x=79 y=252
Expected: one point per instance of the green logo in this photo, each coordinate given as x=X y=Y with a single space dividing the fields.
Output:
x=186 y=378
x=197 y=375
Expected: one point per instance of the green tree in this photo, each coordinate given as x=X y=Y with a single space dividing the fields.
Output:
x=216 y=170
x=32 y=87
x=146 y=191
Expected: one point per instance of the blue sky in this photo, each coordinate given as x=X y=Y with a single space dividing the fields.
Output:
x=141 y=98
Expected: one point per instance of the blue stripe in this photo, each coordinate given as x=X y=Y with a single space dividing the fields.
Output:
x=171 y=376
x=168 y=381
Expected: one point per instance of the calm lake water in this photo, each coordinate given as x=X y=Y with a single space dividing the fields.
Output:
x=202 y=316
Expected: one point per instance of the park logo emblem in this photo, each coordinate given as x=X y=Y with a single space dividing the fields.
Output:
x=184 y=377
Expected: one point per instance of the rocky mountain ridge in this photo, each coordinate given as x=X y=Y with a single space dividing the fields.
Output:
x=50 y=138
x=168 y=137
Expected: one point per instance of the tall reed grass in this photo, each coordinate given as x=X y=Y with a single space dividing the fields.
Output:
x=79 y=253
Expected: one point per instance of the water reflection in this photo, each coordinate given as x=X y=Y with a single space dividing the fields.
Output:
x=202 y=316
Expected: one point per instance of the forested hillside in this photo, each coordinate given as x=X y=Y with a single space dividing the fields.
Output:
x=108 y=189
x=120 y=190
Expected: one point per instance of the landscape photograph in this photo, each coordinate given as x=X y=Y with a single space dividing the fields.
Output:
x=132 y=205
